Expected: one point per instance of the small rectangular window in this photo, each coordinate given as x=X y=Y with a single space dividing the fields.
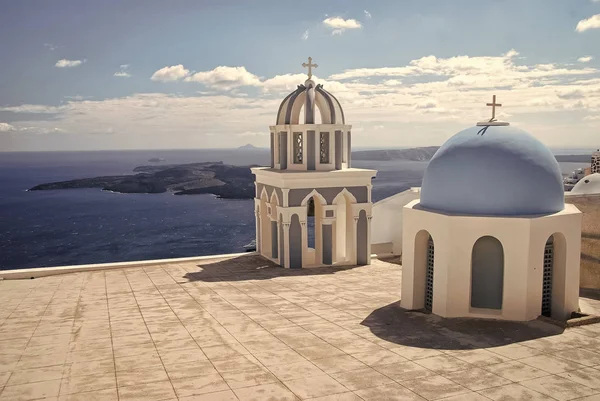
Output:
x=298 y=151
x=277 y=148
x=324 y=147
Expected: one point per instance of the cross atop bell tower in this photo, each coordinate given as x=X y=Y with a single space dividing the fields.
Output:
x=309 y=65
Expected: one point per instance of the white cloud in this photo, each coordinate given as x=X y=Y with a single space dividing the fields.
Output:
x=547 y=100
x=253 y=133
x=64 y=63
x=33 y=108
x=51 y=47
x=123 y=71
x=339 y=25
x=225 y=78
x=171 y=73
x=590 y=23
x=585 y=59
x=286 y=82
x=426 y=104
x=5 y=127
x=367 y=14
x=78 y=97
x=305 y=34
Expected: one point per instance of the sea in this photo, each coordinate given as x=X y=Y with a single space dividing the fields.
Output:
x=83 y=226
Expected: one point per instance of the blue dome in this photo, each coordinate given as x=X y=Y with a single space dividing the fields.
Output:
x=493 y=171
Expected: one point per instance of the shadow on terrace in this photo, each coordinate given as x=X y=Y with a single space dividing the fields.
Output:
x=252 y=267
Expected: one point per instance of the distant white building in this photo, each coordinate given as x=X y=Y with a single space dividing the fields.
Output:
x=491 y=236
x=572 y=179
x=311 y=173
x=596 y=162
x=589 y=185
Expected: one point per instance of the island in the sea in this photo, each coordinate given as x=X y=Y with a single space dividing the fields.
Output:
x=222 y=180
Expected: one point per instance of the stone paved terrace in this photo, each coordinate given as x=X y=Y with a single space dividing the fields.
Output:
x=240 y=328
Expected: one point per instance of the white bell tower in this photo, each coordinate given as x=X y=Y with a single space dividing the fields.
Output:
x=312 y=208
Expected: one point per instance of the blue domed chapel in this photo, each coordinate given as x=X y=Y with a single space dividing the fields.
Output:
x=491 y=236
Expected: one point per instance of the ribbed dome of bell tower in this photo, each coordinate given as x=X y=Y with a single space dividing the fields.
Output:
x=318 y=140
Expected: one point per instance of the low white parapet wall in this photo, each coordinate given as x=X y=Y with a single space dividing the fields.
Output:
x=37 y=272
x=51 y=271
x=386 y=224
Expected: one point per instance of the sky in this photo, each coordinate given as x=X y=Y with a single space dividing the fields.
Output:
x=150 y=74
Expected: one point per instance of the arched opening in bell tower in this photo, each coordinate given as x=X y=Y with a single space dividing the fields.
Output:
x=314 y=231
x=344 y=228
x=265 y=225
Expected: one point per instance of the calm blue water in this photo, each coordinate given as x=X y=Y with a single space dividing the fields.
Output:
x=80 y=226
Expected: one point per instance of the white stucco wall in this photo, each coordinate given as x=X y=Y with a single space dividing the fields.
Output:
x=386 y=224
x=523 y=240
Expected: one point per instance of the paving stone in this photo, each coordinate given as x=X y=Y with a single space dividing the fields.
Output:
x=558 y=387
x=35 y=375
x=589 y=377
x=31 y=391
x=279 y=357
x=349 y=396
x=581 y=356
x=82 y=384
x=479 y=357
x=157 y=391
x=248 y=377
x=361 y=378
x=315 y=386
x=389 y=392
x=515 y=371
x=190 y=369
x=89 y=368
x=226 y=395
x=99 y=395
x=513 y=392
x=340 y=363
x=476 y=379
x=134 y=362
x=551 y=364
x=141 y=376
x=4 y=378
x=515 y=351
x=379 y=357
x=273 y=391
x=295 y=370
x=199 y=385
x=433 y=387
x=319 y=351
x=442 y=364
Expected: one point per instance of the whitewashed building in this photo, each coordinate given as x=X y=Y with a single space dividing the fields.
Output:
x=491 y=236
x=311 y=165
x=595 y=162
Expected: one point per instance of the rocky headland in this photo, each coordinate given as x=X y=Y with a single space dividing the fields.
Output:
x=222 y=180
